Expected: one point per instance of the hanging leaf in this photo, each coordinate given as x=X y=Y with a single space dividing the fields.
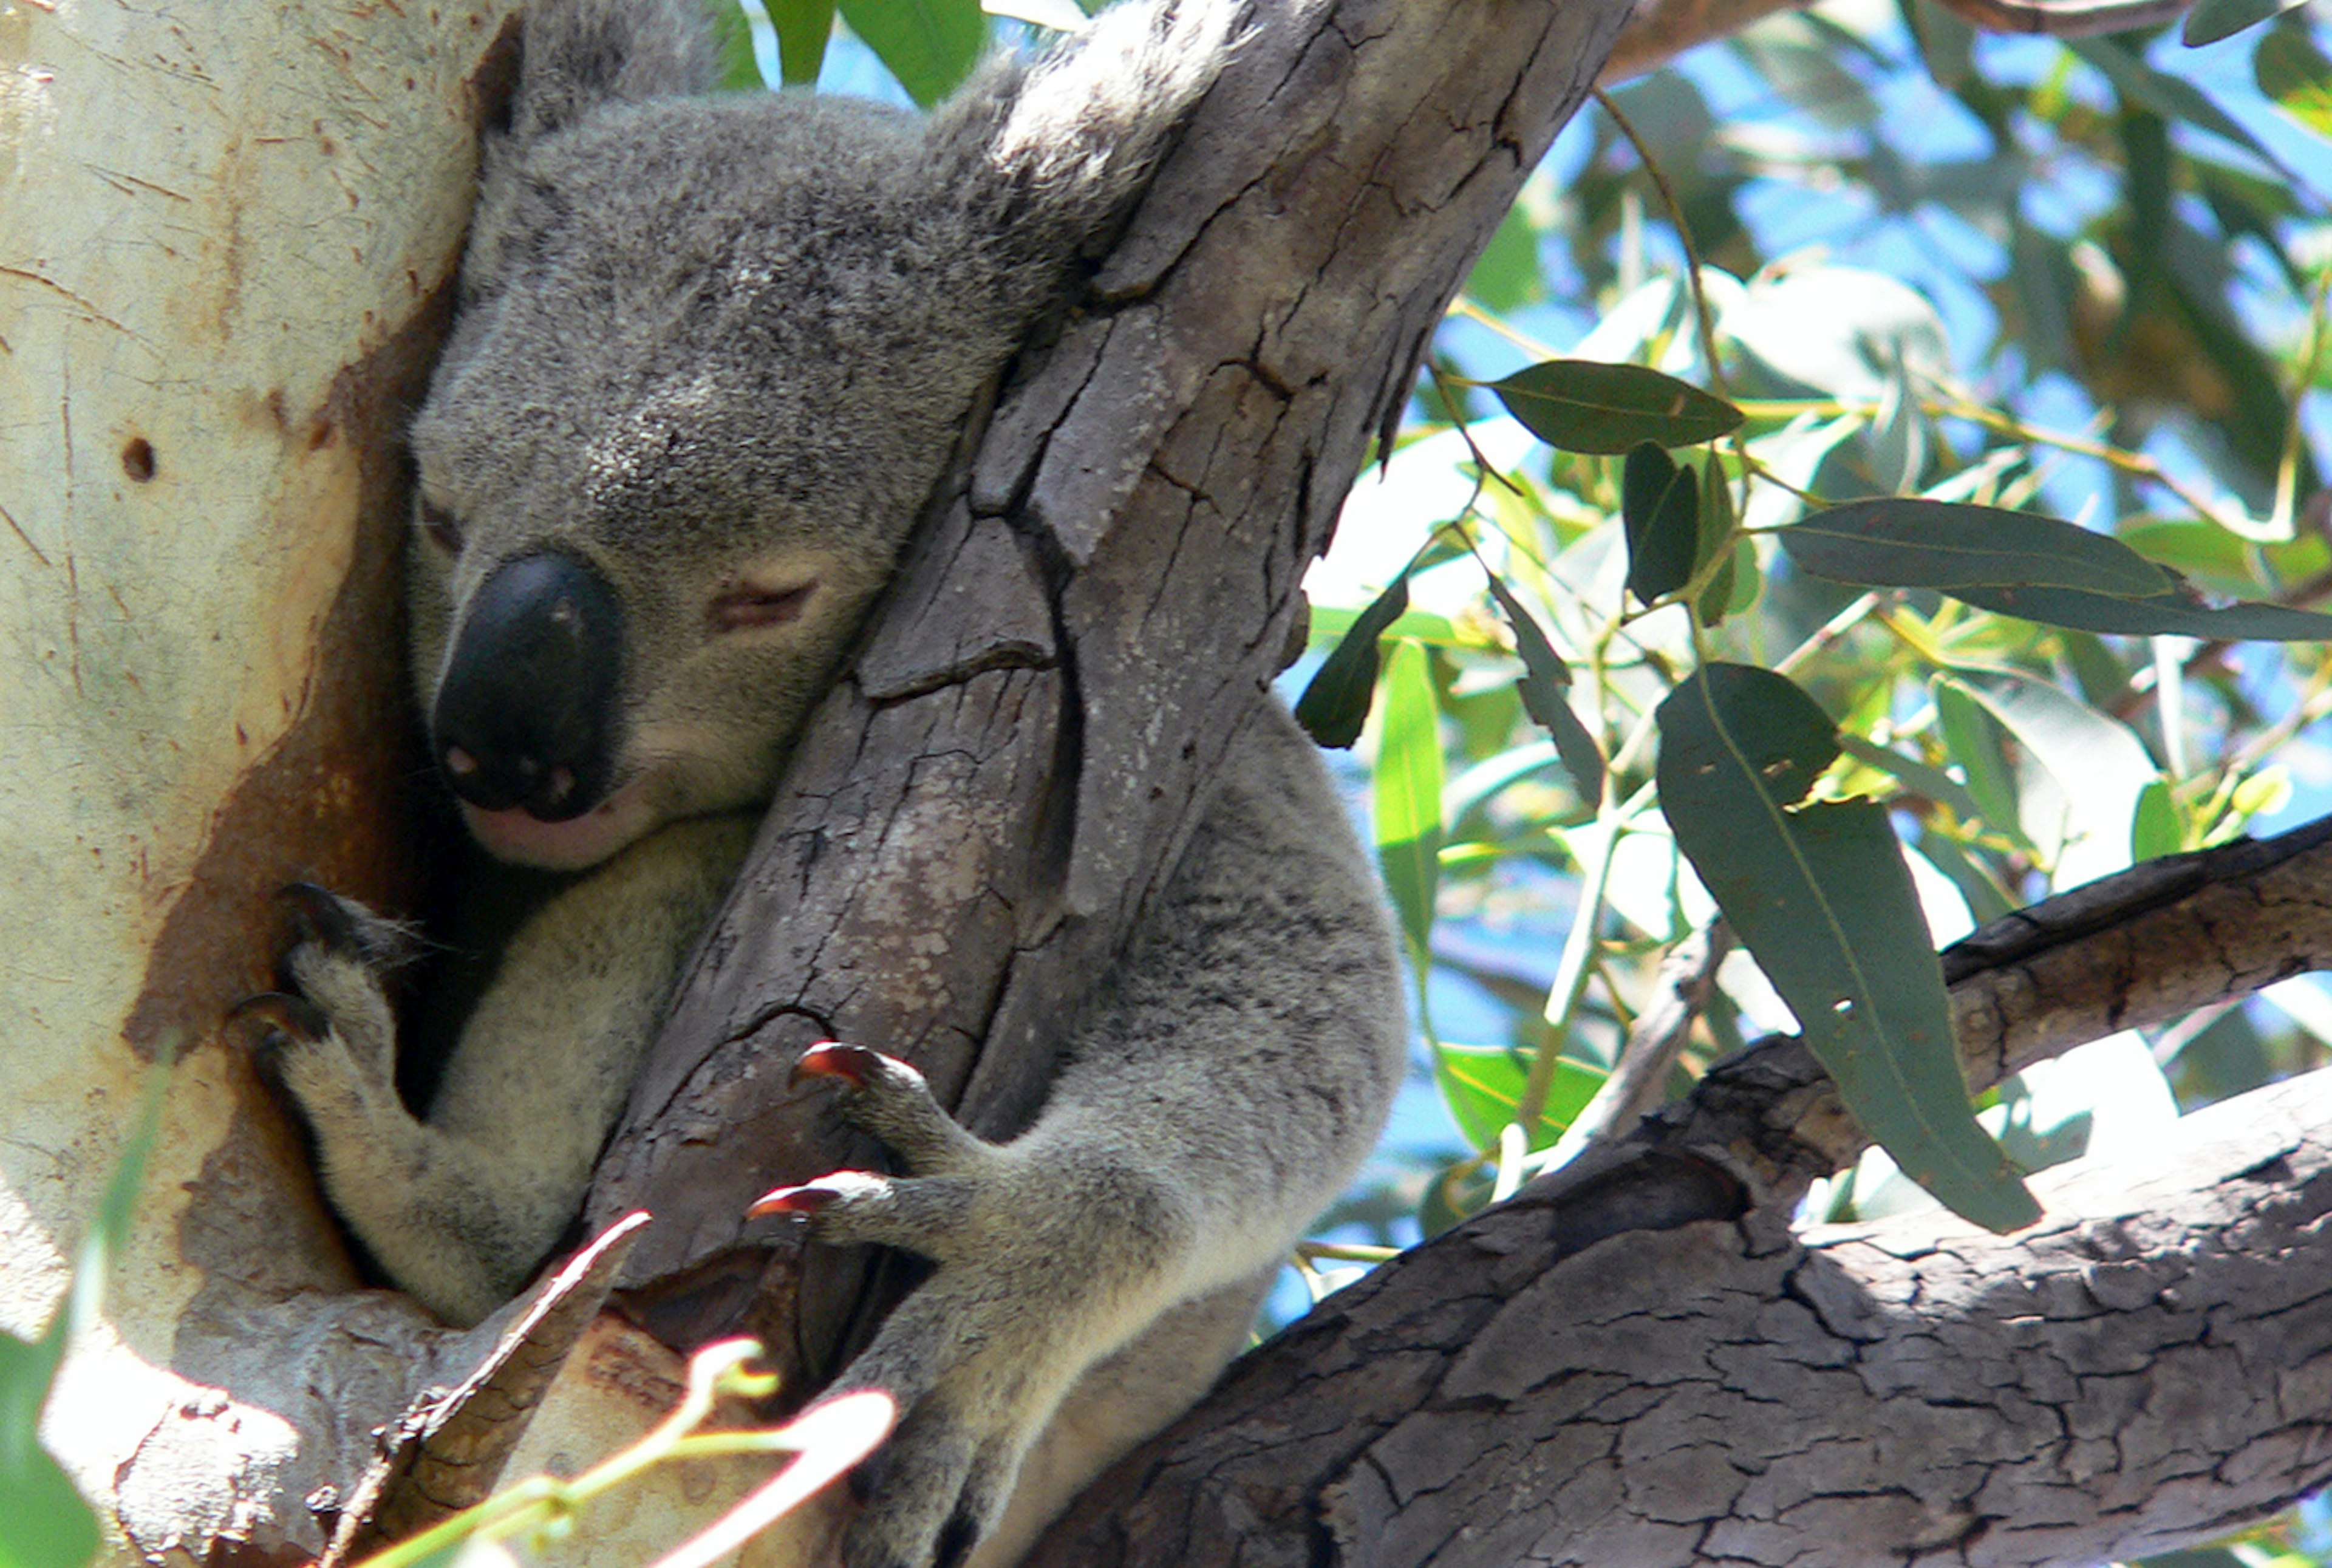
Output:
x=1973 y=738
x=803 y=28
x=1545 y=678
x=1660 y=507
x=2180 y=612
x=1820 y=895
x=929 y=45
x=1719 y=532
x=1586 y=406
x=2153 y=827
x=1949 y=545
x=1335 y=705
x=1408 y=793
x=2100 y=766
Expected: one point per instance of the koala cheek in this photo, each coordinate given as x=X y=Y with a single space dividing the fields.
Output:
x=525 y=716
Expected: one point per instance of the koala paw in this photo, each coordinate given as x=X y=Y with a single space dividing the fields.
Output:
x=1036 y=1261
x=329 y=1038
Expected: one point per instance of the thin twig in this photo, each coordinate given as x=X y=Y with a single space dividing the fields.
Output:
x=1639 y=1081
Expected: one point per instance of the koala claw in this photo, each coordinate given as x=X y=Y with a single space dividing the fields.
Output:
x=807 y=1201
x=853 y=1064
x=885 y=1097
x=283 y=1016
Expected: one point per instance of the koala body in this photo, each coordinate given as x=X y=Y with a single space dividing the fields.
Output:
x=712 y=356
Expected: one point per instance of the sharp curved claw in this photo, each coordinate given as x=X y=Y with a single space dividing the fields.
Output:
x=283 y=1014
x=853 y=1064
x=320 y=917
x=805 y=1201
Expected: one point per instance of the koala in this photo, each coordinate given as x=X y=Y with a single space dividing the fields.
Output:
x=710 y=357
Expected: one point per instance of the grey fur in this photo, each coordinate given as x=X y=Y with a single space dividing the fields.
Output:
x=714 y=353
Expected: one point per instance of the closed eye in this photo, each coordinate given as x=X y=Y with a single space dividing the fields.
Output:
x=738 y=609
x=443 y=530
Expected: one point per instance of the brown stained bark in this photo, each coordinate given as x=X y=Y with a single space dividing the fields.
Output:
x=2152 y=1364
x=977 y=816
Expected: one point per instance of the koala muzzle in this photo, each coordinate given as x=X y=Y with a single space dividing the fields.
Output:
x=525 y=716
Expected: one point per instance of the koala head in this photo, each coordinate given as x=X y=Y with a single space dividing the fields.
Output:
x=710 y=356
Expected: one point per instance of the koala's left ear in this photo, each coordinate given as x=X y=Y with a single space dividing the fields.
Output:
x=576 y=55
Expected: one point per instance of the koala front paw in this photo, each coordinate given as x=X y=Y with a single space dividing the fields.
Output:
x=333 y=1043
x=1041 y=1251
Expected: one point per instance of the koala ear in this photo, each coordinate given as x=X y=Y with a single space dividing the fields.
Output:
x=578 y=55
x=1060 y=146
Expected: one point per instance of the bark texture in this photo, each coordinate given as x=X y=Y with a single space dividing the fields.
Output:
x=2150 y=1365
x=977 y=816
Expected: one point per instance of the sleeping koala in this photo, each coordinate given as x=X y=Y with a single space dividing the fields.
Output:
x=711 y=357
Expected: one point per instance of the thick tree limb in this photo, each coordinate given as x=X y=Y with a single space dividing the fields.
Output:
x=1660 y=30
x=2150 y=1364
x=1730 y=1163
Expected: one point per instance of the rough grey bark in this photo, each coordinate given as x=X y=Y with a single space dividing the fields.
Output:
x=2151 y=1364
x=977 y=815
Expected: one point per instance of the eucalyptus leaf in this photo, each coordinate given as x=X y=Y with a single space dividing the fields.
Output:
x=2179 y=612
x=1483 y=1085
x=1408 y=793
x=1820 y=895
x=1973 y=736
x=1951 y=545
x=1585 y=405
x=929 y=45
x=1335 y=705
x=803 y=29
x=1659 y=506
x=2215 y=19
x=2099 y=764
x=2168 y=96
x=1545 y=678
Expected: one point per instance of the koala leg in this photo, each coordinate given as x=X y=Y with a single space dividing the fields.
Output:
x=1234 y=1074
x=460 y=1207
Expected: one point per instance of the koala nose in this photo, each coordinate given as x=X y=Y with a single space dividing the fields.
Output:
x=525 y=714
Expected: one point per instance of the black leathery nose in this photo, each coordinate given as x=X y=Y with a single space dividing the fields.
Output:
x=525 y=716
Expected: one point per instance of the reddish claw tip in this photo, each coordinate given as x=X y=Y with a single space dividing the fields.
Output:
x=803 y=1200
x=853 y=1064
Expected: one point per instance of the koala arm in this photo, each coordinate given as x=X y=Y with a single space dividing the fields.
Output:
x=461 y=1207
x=1235 y=1076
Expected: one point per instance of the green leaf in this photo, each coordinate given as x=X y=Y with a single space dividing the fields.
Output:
x=1913 y=774
x=1948 y=545
x=2293 y=73
x=2215 y=19
x=1820 y=895
x=1973 y=738
x=733 y=42
x=803 y=28
x=2153 y=830
x=2180 y=612
x=2101 y=765
x=1544 y=677
x=929 y=45
x=1659 y=506
x=1720 y=532
x=44 y=1522
x=1484 y=1087
x=1846 y=331
x=2140 y=84
x=1335 y=705
x=1586 y=406
x=1506 y=276
x=1408 y=793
